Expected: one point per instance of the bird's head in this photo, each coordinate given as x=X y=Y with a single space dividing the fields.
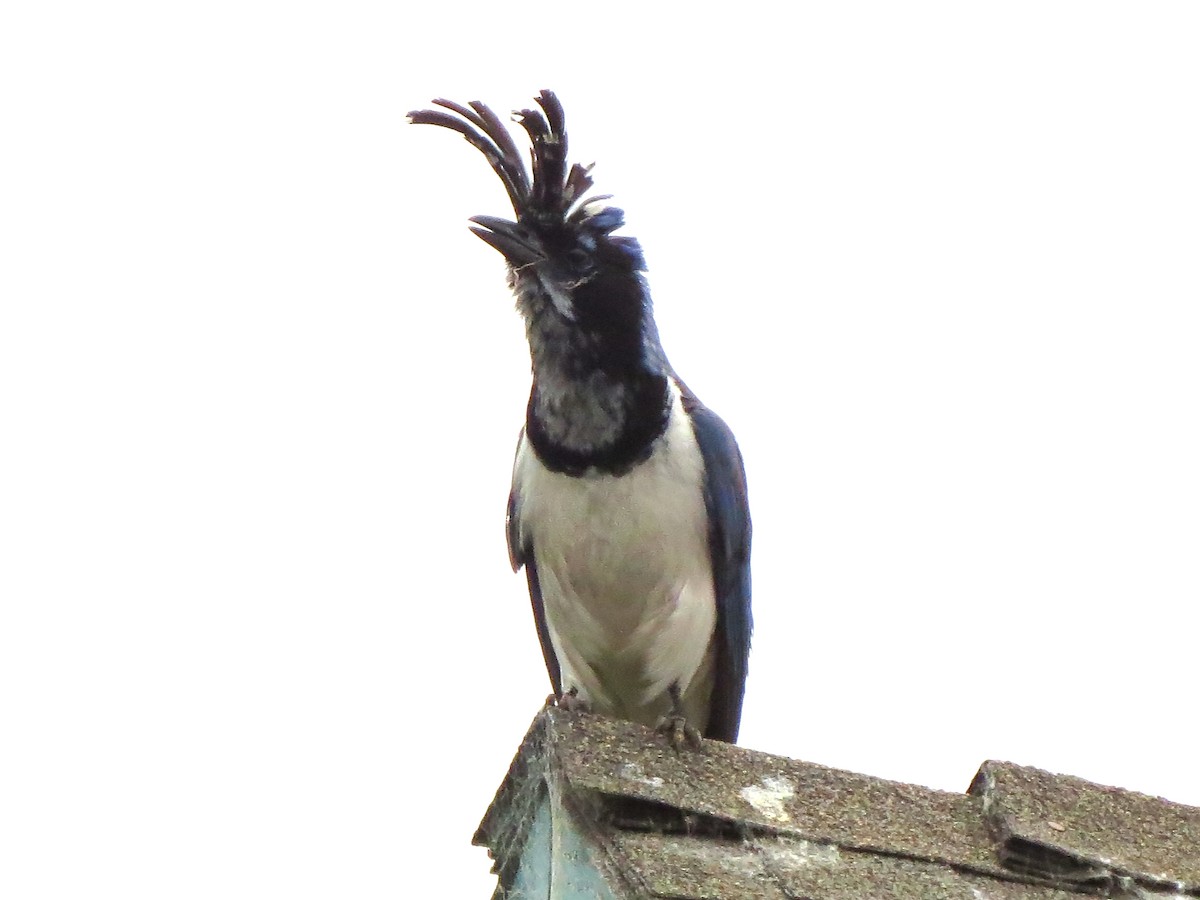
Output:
x=601 y=392
x=567 y=268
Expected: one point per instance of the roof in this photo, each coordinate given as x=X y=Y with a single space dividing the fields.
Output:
x=600 y=808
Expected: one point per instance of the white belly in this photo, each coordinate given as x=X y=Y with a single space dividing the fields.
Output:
x=623 y=565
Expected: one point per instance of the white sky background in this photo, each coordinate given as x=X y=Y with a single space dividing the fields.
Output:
x=259 y=390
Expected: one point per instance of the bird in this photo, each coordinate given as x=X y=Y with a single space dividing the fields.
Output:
x=628 y=506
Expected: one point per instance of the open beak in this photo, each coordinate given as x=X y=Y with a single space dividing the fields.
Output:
x=515 y=243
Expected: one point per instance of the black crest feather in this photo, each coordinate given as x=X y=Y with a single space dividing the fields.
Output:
x=552 y=192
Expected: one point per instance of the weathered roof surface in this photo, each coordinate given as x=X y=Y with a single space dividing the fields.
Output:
x=773 y=868
x=1058 y=824
x=729 y=823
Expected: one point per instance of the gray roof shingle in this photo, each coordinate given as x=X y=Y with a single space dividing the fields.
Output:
x=728 y=823
x=1059 y=824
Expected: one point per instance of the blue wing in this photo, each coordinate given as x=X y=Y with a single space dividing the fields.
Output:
x=521 y=554
x=729 y=548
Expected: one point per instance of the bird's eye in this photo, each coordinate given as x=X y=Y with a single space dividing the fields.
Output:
x=579 y=258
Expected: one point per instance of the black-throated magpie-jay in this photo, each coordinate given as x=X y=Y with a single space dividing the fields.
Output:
x=628 y=504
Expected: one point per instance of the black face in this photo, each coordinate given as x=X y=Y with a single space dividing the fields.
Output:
x=572 y=257
x=587 y=284
x=611 y=306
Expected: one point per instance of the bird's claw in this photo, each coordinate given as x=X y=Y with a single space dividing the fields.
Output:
x=572 y=702
x=679 y=732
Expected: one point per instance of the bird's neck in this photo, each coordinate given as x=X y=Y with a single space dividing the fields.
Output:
x=595 y=410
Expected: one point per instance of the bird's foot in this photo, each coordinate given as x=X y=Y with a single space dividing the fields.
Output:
x=679 y=732
x=572 y=702
x=675 y=726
